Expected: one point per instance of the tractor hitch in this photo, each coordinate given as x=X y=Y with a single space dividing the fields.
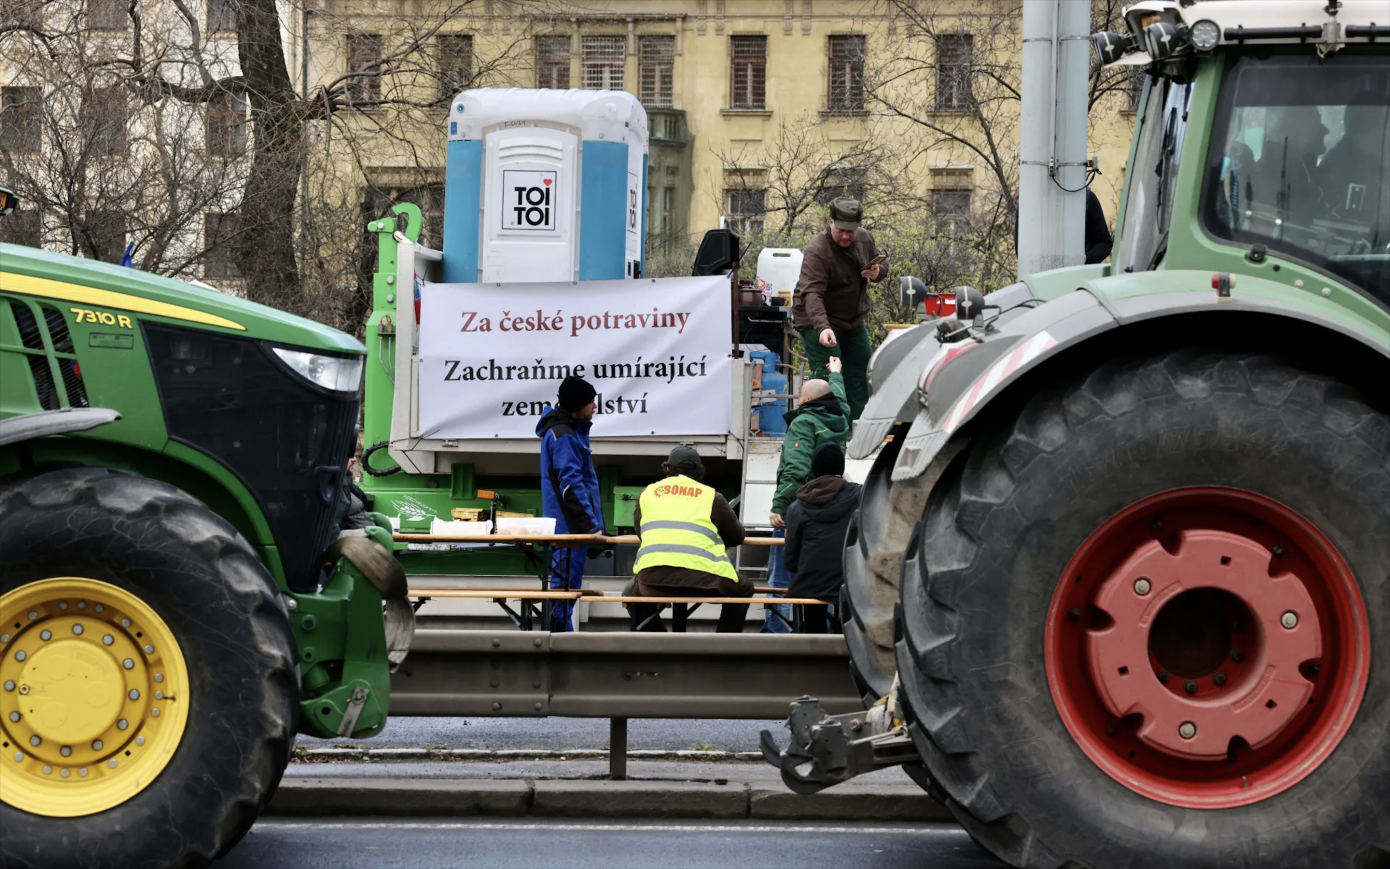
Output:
x=826 y=750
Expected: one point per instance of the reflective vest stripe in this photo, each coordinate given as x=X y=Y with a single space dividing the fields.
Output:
x=672 y=525
x=696 y=551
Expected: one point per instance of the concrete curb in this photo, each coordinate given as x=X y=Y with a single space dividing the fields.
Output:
x=321 y=797
x=312 y=754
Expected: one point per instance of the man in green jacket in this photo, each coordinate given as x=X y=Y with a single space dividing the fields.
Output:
x=822 y=417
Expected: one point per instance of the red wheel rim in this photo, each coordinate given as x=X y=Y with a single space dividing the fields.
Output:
x=1207 y=647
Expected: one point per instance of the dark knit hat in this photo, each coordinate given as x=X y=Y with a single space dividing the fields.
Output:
x=685 y=460
x=575 y=393
x=828 y=461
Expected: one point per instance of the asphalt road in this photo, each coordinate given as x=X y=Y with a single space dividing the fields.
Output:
x=668 y=734
x=405 y=844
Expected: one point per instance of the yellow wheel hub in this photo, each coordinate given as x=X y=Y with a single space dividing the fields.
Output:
x=93 y=696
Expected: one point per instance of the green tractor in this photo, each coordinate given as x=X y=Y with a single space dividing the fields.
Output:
x=1121 y=577
x=175 y=601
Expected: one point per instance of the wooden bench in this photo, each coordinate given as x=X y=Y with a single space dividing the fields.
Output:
x=682 y=606
x=523 y=617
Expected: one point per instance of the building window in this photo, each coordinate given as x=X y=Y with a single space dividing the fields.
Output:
x=843 y=182
x=19 y=13
x=748 y=72
x=745 y=209
x=455 y=64
x=668 y=209
x=219 y=245
x=603 y=59
x=363 y=64
x=102 y=236
x=20 y=227
x=107 y=15
x=553 y=62
x=226 y=125
x=656 y=70
x=953 y=62
x=846 y=74
x=21 y=125
x=104 y=115
x=222 y=16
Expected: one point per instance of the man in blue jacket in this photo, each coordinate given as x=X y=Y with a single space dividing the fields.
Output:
x=569 y=485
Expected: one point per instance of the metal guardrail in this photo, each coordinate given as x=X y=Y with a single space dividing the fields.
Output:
x=620 y=675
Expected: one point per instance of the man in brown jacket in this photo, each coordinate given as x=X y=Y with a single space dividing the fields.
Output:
x=686 y=529
x=832 y=298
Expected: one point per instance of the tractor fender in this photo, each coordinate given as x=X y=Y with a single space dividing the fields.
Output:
x=967 y=382
x=1254 y=295
x=897 y=367
x=53 y=422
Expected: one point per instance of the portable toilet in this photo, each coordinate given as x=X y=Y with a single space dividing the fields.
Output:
x=524 y=166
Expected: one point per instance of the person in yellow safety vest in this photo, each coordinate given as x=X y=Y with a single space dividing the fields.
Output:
x=686 y=529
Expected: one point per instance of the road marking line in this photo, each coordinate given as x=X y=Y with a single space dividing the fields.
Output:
x=931 y=829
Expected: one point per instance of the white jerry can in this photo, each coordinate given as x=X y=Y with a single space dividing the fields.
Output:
x=523 y=167
x=778 y=270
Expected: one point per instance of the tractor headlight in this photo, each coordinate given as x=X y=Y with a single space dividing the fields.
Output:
x=1163 y=40
x=1205 y=35
x=338 y=373
x=1111 y=46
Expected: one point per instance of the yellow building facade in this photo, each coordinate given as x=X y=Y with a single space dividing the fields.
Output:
x=742 y=95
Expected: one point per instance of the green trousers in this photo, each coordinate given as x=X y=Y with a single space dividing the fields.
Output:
x=854 y=350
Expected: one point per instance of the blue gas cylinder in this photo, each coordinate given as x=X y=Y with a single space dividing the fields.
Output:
x=770 y=420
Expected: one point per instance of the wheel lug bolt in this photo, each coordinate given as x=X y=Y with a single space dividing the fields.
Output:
x=122 y=724
x=1142 y=585
x=1187 y=730
x=4 y=638
x=134 y=694
x=77 y=629
x=14 y=716
x=127 y=663
x=149 y=650
x=1163 y=676
x=1237 y=655
x=1218 y=677
x=34 y=740
x=1278 y=551
x=108 y=640
x=20 y=656
x=9 y=684
x=1289 y=620
x=63 y=605
x=1074 y=613
x=1314 y=669
x=97 y=744
x=1190 y=687
x=45 y=635
x=65 y=751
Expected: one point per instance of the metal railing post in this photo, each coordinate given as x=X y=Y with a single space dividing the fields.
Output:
x=617 y=749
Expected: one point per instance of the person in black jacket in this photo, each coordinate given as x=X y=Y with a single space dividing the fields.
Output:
x=816 y=526
x=1098 y=238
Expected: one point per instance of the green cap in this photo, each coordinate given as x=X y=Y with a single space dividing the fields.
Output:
x=846 y=213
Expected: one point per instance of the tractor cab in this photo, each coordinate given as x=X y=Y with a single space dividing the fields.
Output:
x=1296 y=162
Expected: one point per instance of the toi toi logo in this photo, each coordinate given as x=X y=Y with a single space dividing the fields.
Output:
x=528 y=201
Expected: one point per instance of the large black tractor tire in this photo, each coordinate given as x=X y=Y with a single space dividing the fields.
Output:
x=1006 y=521
x=203 y=580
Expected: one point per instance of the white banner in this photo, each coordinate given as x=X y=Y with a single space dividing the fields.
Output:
x=657 y=351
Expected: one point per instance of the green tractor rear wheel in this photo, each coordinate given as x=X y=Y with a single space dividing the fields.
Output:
x=1148 y=622
x=147 y=667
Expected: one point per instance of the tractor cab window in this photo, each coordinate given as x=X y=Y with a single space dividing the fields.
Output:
x=1149 y=206
x=1300 y=162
